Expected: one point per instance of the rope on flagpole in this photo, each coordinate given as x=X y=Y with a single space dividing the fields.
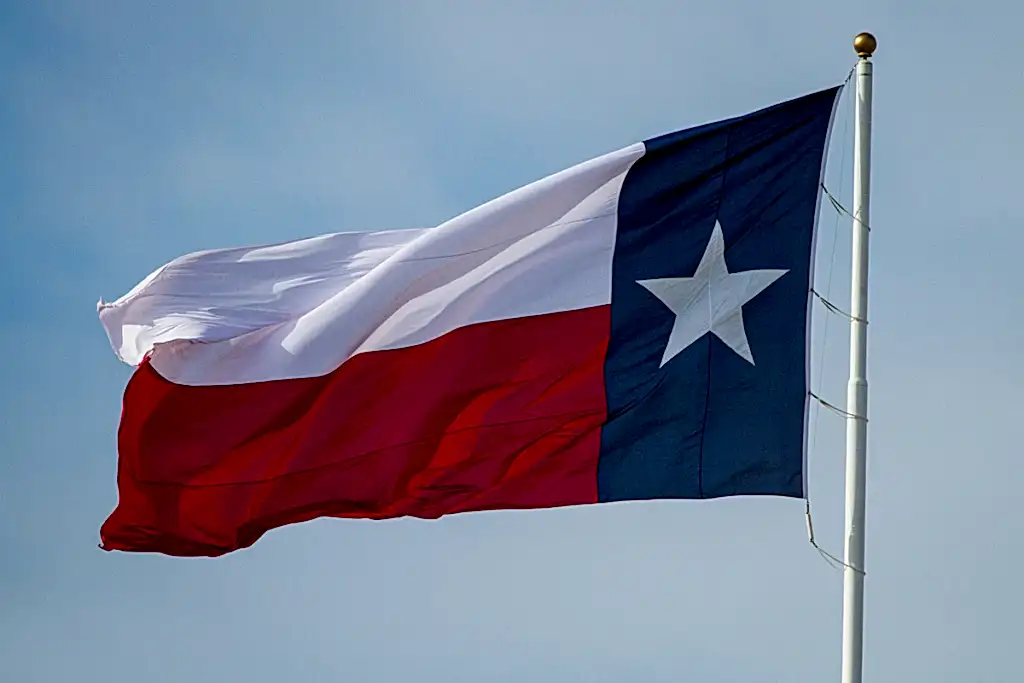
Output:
x=830 y=559
x=835 y=409
x=838 y=206
x=835 y=309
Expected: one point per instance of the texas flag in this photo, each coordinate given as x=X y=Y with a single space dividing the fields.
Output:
x=631 y=328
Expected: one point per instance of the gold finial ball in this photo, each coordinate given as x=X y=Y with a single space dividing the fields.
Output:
x=864 y=44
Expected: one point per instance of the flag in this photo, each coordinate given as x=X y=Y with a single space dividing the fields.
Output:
x=632 y=328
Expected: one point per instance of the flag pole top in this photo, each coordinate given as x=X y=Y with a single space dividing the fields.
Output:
x=865 y=45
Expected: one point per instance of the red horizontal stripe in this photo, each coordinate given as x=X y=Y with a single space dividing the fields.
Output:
x=496 y=415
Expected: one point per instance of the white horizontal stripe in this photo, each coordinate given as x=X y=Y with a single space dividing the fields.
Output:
x=216 y=295
x=301 y=309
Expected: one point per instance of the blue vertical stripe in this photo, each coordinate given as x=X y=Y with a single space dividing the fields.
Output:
x=708 y=423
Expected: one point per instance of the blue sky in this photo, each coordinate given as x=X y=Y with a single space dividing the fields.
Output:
x=136 y=131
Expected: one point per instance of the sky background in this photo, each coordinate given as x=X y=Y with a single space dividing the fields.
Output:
x=134 y=131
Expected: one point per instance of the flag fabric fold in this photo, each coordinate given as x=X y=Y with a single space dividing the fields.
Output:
x=634 y=327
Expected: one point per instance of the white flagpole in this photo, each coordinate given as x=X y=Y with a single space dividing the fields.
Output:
x=857 y=391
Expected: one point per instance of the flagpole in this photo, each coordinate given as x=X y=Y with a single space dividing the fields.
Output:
x=857 y=390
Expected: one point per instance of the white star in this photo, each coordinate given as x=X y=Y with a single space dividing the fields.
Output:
x=710 y=301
